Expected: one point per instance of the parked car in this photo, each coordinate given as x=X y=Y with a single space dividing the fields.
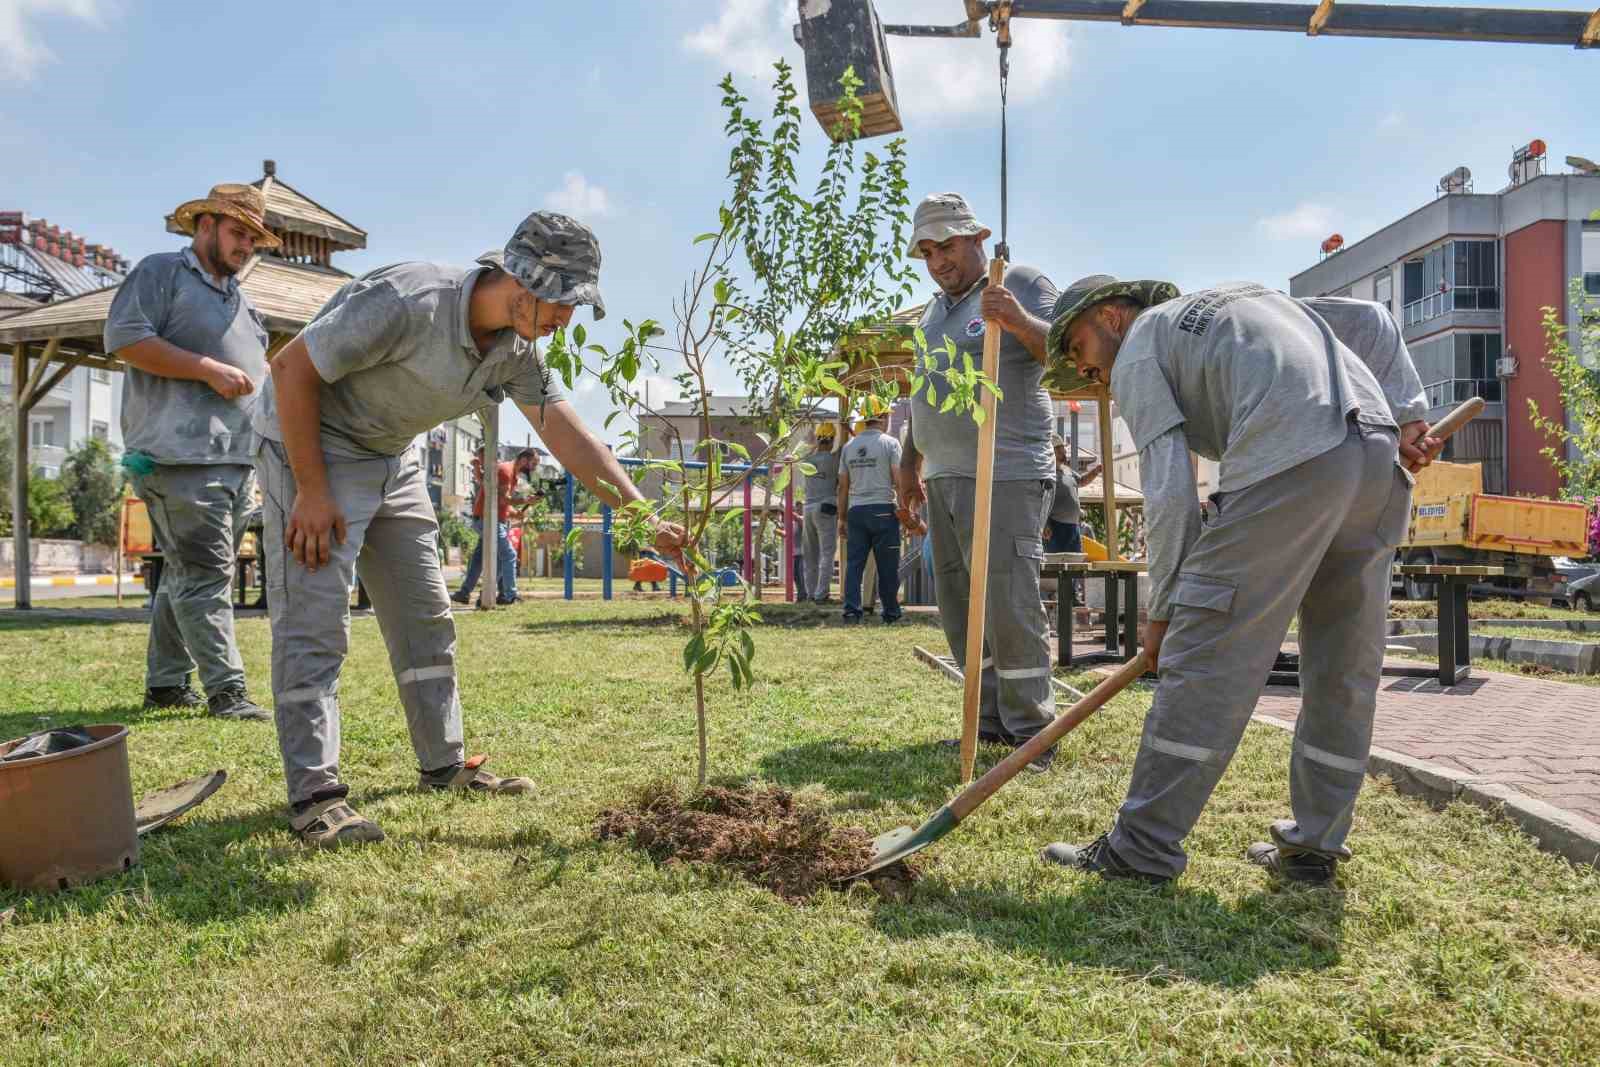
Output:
x=1568 y=573
x=1584 y=594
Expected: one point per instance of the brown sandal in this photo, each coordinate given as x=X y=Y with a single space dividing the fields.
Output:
x=331 y=823
x=473 y=778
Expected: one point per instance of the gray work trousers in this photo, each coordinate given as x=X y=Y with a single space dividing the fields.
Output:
x=819 y=540
x=1318 y=538
x=1017 y=698
x=392 y=539
x=198 y=513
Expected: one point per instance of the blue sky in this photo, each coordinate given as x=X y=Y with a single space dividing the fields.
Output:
x=1194 y=155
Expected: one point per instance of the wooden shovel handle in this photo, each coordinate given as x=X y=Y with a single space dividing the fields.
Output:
x=1064 y=724
x=983 y=501
x=1464 y=413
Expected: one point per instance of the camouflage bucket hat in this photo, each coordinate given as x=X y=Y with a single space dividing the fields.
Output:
x=556 y=258
x=940 y=217
x=1060 y=375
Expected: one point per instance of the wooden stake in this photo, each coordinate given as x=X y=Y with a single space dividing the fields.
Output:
x=1108 y=481
x=122 y=540
x=978 y=591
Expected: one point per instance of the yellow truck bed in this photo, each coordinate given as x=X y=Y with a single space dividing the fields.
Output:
x=1450 y=510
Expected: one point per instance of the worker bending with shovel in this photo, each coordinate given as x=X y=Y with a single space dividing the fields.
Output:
x=1311 y=436
x=393 y=354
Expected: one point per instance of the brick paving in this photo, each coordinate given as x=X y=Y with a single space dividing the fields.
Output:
x=1538 y=737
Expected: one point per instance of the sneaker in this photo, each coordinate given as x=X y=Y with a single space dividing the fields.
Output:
x=461 y=598
x=1041 y=763
x=1098 y=858
x=230 y=702
x=471 y=777
x=1293 y=865
x=507 y=601
x=173 y=696
x=333 y=823
x=985 y=737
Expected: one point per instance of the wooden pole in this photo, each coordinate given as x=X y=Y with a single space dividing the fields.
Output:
x=489 y=539
x=122 y=540
x=19 y=478
x=978 y=591
x=1108 y=478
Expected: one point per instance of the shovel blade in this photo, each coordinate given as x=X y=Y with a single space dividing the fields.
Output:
x=904 y=841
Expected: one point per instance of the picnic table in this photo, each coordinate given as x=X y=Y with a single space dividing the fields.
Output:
x=1122 y=605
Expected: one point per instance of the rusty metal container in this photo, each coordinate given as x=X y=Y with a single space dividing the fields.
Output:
x=67 y=818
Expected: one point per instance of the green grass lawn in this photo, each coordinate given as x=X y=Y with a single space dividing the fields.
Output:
x=1487 y=609
x=499 y=931
x=1538 y=633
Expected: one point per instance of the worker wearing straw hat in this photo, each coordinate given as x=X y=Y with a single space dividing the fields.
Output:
x=940 y=465
x=1311 y=423
x=196 y=353
x=392 y=354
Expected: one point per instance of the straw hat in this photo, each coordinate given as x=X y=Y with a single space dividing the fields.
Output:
x=245 y=203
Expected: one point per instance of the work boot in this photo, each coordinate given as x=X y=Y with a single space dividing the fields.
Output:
x=1289 y=864
x=1041 y=763
x=985 y=737
x=1097 y=857
x=471 y=777
x=230 y=702
x=461 y=597
x=173 y=696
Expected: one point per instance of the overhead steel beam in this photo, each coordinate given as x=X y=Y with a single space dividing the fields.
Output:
x=1569 y=28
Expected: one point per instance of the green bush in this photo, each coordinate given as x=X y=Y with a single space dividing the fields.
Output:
x=93 y=485
x=49 y=507
x=454 y=531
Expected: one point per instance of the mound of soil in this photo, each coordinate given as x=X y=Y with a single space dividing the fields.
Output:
x=765 y=834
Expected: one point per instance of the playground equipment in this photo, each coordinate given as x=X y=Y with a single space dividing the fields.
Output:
x=669 y=573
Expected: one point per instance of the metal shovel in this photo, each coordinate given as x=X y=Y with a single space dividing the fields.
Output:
x=902 y=842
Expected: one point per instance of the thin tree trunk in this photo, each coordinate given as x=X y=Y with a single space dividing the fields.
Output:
x=700 y=724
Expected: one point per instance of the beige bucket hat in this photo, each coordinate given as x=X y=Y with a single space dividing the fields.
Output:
x=940 y=217
x=245 y=203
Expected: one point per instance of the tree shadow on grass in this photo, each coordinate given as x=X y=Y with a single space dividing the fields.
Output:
x=865 y=776
x=11 y=619
x=15 y=724
x=1153 y=934
x=663 y=620
x=197 y=871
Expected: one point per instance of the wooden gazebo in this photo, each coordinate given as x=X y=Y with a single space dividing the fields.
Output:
x=882 y=353
x=287 y=285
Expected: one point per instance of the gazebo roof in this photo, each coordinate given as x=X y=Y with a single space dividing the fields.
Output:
x=286 y=294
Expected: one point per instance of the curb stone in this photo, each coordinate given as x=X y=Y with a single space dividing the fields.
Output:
x=1568 y=835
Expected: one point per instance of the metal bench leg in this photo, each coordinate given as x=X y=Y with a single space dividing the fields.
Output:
x=1064 y=621
x=1447 y=631
x=1463 y=639
x=1130 y=625
x=1112 y=613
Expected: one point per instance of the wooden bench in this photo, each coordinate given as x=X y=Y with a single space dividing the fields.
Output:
x=1455 y=641
x=1122 y=598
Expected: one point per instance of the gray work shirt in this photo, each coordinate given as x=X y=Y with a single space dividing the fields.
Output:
x=1257 y=380
x=948 y=441
x=823 y=486
x=1065 y=508
x=175 y=420
x=395 y=353
x=870 y=458
x=1368 y=330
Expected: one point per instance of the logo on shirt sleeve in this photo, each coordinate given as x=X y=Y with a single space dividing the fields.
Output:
x=975 y=326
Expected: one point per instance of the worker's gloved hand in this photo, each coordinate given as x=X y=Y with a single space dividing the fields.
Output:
x=1417 y=449
x=1155 y=631
x=314 y=524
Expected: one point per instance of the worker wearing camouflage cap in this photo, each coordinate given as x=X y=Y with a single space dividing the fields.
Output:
x=1314 y=411
x=393 y=354
x=939 y=466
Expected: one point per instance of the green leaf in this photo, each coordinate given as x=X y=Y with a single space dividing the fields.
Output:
x=692 y=651
x=578 y=336
x=712 y=236
x=720 y=291
x=747 y=644
x=978 y=414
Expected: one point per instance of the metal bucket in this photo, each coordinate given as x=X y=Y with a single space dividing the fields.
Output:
x=67 y=818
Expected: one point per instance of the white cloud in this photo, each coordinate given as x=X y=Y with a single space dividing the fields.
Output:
x=934 y=77
x=1392 y=123
x=578 y=198
x=22 y=53
x=1305 y=219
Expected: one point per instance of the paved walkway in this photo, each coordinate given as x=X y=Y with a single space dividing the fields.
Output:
x=1540 y=738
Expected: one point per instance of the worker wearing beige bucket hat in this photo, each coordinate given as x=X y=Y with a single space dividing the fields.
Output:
x=939 y=464
x=1311 y=409
x=196 y=354
x=393 y=354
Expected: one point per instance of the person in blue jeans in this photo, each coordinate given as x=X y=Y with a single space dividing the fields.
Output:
x=868 y=481
x=525 y=464
x=1063 y=530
